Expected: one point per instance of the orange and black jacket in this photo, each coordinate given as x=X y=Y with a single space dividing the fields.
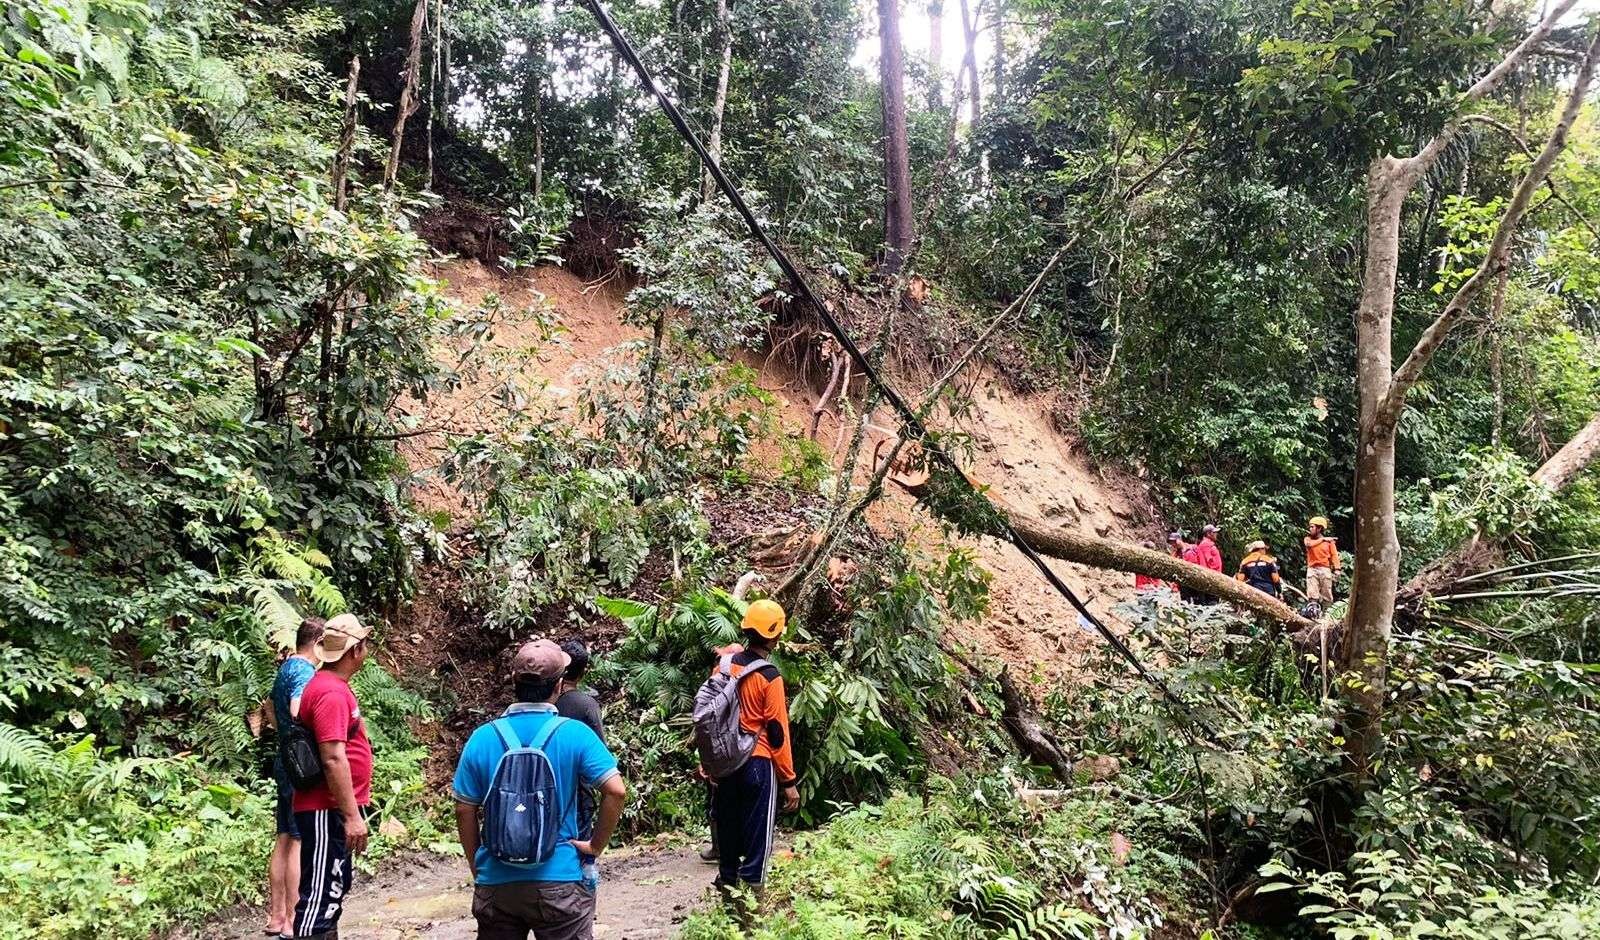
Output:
x=1260 y=571
x=764 y=712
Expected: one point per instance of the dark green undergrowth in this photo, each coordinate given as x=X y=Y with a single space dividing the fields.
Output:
x=1478 y=826
x=965 y=859
x=103 y=845
x=189 y=463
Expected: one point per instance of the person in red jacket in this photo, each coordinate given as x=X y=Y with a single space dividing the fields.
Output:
x=1144 y=582
x=744 y=803
x=1210 y=555
x=331 y=816
x=1205 y=554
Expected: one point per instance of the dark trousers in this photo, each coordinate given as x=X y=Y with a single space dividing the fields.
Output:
x=745 y=806
x=324 y=873
x=551 y=910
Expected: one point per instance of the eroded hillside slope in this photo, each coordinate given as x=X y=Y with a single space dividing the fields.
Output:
x=1019 y=453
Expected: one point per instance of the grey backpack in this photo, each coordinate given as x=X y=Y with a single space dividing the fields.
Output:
x=723 y=745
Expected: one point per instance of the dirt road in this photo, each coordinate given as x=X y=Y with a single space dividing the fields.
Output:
x=644 y=894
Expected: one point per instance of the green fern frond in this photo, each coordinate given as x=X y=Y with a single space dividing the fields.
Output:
x=999 y=903
x=1056 y=922
x=327 y=597
x=277 y=613
x=23 y=754
x=223 y=735
x=108 y=777
x=230 y=403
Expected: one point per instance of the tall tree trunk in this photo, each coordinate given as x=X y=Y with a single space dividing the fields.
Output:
x=1497 y=357
x=434 y=67
x=899 y=227
x=408 y=93
x=719 y=102
x=969 y=31
x=538 y=148
x=936 y=54
x=1377 y=561
x=533 y=103
x=998 y=18
x=1382 y=389
x=341 y=198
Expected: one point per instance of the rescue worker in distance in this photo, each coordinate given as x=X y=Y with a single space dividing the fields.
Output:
x=1322 y=562
x=1259 y=569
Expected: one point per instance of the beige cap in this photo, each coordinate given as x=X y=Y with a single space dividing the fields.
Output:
x=338 y=635
x=541 y=659
x=1256 y=546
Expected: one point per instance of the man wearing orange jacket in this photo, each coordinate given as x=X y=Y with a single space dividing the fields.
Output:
x=744 y=803
x=1322 y=562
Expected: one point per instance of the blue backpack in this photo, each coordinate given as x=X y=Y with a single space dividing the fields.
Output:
x=522 y=812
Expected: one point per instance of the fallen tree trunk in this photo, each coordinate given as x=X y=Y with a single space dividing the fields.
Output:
x=1036 y=743
x=1069 y=545
x=1018 y=718
x=1476 y=554
x=911 y=473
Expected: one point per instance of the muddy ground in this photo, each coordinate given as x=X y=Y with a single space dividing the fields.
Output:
x=645 y=893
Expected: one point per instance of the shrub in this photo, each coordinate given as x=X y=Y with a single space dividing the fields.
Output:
x=966 y=860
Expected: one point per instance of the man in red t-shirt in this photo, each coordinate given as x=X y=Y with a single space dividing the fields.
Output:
x=330 y=815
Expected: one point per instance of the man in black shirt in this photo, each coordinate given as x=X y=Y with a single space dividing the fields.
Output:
x=575 y=703
x=579 y=705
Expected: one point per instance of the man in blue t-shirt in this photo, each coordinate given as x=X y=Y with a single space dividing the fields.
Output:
x=556 y=899
x=283 y=871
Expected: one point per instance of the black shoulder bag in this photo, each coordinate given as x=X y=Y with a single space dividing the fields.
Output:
x=302 y=760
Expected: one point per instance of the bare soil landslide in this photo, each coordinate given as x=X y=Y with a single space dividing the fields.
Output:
x=645 y=892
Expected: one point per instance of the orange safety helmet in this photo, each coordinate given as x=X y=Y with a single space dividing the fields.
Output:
x=766 y=618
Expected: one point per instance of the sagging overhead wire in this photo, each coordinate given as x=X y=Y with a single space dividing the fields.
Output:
x=908 y=415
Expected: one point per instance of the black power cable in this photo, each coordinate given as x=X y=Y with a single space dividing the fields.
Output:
x=906 y=412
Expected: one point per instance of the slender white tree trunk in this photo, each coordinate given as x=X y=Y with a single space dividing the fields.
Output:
x=719 y=103
x=408 y=93
x=969 y=30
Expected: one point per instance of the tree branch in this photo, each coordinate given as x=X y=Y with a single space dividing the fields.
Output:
x=1550 y=184
x=1497 y=75
x=1411 y=168
x=1393 y=402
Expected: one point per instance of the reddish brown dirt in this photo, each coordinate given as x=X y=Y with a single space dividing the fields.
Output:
x=552 y=330
x=1019 y=452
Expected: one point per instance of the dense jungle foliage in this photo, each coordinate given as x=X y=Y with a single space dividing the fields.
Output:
x=219 y=328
